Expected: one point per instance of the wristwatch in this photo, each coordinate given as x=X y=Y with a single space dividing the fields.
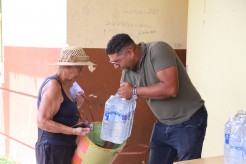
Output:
x=134 y=93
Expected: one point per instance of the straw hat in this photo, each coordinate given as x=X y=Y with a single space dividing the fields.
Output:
x=74 y=56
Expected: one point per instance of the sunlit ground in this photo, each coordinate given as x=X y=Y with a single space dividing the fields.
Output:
x=4 y=160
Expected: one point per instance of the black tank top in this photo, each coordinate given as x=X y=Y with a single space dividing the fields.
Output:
x=67 y=115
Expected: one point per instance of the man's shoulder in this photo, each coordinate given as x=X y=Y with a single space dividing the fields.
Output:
x=157 y=44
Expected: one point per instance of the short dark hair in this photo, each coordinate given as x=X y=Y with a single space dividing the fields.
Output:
x=118 y=42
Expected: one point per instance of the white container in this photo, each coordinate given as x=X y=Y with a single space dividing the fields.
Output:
x=117 y=119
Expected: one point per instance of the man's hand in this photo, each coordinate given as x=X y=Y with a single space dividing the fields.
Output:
x=125 y=90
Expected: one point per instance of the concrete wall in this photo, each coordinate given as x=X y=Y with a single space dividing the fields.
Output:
x=92 y=23
x=33 y=33
x=216 y=62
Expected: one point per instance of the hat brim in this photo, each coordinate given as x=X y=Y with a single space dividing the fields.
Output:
x=87 y=63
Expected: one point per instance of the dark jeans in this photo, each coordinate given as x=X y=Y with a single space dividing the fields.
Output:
x=183 y=141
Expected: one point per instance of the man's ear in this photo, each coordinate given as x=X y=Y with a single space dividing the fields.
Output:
x=131 y=52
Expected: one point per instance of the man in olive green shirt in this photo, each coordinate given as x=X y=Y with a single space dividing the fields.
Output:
x=154 y=71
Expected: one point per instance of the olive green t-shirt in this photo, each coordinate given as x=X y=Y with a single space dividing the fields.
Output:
x=157 y=56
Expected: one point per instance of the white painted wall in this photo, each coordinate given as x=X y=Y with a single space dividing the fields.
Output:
x=91 y=23
x=216 y=56
x=34 y=23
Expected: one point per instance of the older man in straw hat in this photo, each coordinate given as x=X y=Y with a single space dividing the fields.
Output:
x=57 y=112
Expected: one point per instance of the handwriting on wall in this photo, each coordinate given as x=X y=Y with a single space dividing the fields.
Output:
x=93 y=22
x=142 y=27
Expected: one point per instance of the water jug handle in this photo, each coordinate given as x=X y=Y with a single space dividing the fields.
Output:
x=117 y=95
x=134 y=153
